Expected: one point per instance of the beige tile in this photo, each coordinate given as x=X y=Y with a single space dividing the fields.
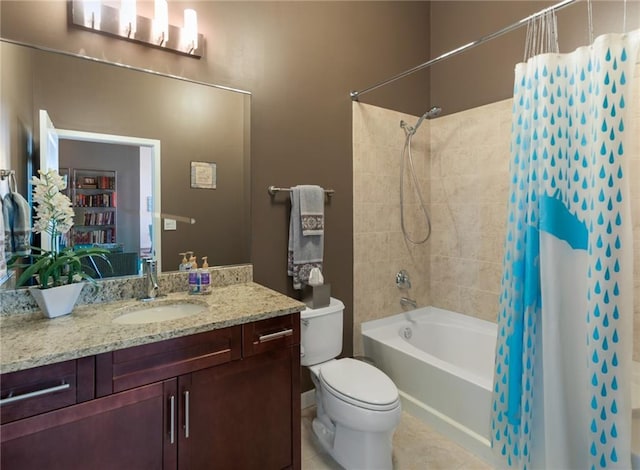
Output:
x=478 y=303
x=415 y=446
x=489 y=276
x=445 y=295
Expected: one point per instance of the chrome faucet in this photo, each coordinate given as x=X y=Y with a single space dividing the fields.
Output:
x=149 y=269
x=407 y=302
x=402 y=280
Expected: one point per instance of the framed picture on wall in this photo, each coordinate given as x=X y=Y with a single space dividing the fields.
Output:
x=203 y=175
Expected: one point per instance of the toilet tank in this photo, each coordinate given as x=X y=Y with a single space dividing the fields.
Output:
x=321 y=333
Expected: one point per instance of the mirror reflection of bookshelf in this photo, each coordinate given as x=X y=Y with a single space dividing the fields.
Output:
x=94 y=204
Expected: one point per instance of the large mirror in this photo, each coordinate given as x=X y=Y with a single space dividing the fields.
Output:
x=202 y=133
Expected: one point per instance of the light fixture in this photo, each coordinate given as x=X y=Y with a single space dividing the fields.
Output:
x=92 y=14
x=161 y=22
x=128 y=18
x=190 y=29
x=125 y=23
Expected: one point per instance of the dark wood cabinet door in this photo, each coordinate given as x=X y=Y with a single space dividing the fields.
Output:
x=124 y=430
x=239 y=415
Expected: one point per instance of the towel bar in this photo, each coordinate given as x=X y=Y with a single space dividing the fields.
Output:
x=274 y=189
x=6 y=173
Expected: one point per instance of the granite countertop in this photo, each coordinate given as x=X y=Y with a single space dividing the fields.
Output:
x=29 y=341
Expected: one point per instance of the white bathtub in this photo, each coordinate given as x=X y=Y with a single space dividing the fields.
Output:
x=444 y=372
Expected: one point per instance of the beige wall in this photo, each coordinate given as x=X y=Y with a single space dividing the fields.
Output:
x=468 y=184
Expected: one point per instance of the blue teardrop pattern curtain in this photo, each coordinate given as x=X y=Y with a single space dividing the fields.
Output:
x=562 y=393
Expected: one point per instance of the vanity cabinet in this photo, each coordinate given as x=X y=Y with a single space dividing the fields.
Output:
x=228 y=398
x=252 y=420
x=123 y=430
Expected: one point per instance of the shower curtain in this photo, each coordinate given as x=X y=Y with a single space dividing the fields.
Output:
x=562 y=393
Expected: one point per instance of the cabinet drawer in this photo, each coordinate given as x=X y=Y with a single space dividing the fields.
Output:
x=140 y=365
x=270 y=334
x=41 y=389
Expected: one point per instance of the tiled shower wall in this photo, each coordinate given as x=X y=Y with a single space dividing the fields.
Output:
x=465 y=173
x=379 y=247
x=469 y=190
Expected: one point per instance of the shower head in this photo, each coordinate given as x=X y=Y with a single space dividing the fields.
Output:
x=433 y=112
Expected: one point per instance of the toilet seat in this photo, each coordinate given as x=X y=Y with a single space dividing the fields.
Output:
x=359 y=384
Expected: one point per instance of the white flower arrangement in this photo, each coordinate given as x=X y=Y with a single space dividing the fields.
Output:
x=54 y=213
x=54 y=217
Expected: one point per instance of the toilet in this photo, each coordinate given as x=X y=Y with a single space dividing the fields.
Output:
x=358 y=407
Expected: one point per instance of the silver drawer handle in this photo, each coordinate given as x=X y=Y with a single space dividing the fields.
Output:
x=37 y=393
x=172 y=419
x=186 y=414
x=276 y=335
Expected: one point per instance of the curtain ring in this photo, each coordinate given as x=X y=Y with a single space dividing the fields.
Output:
x=624 y=17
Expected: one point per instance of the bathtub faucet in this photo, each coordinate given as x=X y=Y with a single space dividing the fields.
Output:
x=407 y=302
x=402 y=280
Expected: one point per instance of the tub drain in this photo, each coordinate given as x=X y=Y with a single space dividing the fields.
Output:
x=407 y=332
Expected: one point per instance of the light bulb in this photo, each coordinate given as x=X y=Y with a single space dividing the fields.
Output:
x=128 y=18
x=190 y=29
x=92 y=13
x=161 y=21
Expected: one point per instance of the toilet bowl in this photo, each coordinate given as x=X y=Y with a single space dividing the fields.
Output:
x=358 y=406
x=358 y=409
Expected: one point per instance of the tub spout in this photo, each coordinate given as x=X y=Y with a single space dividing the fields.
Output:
x=407 y=302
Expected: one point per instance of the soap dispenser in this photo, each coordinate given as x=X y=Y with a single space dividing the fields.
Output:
x=183 y=263
x=205 y=277
x=186 y=261
x=194 y=276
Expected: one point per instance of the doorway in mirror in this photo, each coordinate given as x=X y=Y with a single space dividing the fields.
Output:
x=114 y=188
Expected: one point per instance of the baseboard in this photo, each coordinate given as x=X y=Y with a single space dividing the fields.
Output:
x=308 y=398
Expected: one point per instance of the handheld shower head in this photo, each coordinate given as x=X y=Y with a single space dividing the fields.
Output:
x=433 y=112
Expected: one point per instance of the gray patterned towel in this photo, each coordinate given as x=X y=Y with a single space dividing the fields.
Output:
x=306 y=233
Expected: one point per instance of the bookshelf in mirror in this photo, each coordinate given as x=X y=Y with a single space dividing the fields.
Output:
x=93 y=196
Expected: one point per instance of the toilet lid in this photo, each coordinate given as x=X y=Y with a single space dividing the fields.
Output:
x=359 y=383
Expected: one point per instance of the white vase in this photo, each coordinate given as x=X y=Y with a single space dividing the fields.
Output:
x=57 y=301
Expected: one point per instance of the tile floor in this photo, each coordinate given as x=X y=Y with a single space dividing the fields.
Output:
x=415 y=447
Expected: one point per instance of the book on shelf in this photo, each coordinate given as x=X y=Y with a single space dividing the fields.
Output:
x=106 y=182
x=96 y=182
x=95 y=200
x=107 y=235
x=97 y=218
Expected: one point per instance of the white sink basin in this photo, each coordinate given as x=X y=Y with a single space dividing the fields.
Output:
x=160 y=311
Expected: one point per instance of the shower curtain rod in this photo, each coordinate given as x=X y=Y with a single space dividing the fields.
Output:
x=355 y=95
